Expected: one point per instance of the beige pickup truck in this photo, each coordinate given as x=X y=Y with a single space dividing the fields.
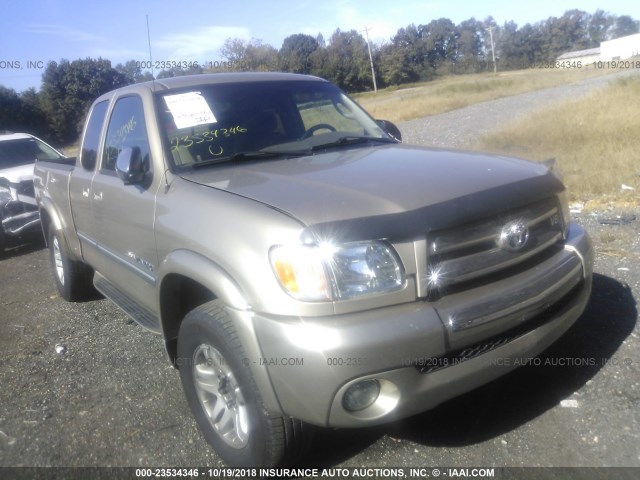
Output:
x=303 y=267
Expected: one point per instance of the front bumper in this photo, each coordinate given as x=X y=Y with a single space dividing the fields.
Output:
x=311 y=362
x=19 y=218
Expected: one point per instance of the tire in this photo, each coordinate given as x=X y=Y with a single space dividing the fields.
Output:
x=73 y=278
x=225 y=399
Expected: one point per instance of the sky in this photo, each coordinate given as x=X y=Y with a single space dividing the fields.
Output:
x=35 y=32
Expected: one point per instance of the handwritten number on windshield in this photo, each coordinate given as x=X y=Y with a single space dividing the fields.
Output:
x=215 y=153
x=207 y=137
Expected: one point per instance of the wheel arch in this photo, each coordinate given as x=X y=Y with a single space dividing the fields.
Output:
x=47 y=218
x=51 y=216
x=187 y=280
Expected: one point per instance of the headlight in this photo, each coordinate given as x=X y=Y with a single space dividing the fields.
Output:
x=337 y=272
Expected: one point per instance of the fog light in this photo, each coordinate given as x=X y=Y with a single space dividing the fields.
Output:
x=361 y=395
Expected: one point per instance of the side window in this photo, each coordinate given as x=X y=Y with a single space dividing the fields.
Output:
x=126 y=129
x=89 y=153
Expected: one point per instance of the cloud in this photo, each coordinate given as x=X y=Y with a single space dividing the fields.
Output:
x=358 y=15
x=63 y=31
x=382 y=25
x=197 y=45
x=381 y=32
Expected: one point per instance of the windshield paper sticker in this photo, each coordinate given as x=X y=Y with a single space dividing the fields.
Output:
x=189 y=109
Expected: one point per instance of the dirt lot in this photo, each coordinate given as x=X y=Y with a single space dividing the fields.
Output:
x=84 y=386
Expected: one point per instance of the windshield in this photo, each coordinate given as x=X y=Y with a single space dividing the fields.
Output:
x=23 y=151
x=220 y=121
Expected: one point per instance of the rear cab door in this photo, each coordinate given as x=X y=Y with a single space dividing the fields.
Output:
x=80 y=183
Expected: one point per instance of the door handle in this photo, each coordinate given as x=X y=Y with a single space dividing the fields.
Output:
x=85 y=192
x=97 y=196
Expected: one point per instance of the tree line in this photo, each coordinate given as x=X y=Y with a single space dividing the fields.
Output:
x=415 y=53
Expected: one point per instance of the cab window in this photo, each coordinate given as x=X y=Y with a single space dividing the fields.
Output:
x=91 y=142
x=126 y=129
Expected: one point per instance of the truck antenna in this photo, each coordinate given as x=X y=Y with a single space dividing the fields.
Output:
x=153 y=75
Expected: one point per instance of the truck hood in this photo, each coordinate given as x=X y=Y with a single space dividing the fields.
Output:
x=383 y=191
x=17 y=174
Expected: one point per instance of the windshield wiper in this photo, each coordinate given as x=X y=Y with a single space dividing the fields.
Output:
x=248 y=156
x=259 y=154
x=351 y=140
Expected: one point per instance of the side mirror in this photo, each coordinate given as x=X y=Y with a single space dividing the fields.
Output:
x=390 y=129
x=130 y=166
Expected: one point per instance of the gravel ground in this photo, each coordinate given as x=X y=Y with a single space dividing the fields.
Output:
x=110 y=398
x=464 y=127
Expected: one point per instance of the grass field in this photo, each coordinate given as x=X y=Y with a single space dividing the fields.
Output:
x=449 y=93
x=595 y=140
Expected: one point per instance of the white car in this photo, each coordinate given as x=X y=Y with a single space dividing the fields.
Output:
x=18 y=211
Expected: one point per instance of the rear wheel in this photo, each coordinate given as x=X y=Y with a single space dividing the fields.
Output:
x=225 y=399
x=73 y=278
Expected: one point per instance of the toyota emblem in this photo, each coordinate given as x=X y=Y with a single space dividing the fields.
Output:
x=514 y=236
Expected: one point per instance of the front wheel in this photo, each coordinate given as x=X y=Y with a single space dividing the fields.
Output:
x=73 y=278
x=225 y=399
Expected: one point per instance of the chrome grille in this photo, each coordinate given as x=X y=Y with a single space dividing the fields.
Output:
x=471 y=251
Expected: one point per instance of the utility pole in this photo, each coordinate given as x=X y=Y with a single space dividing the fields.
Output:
x=373 y=72
x=493 y=52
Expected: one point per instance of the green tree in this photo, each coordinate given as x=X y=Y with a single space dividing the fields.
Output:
x=347 y=61
x=22 y=112
x=319 y=62
x=133 y=73
x=395 y=66
x=441 y=42
x=564 y=34
x=32 y=116
x=69 y=88
x=261 y=57
x=10 y=109
x=295 y=53
x=250 y=55
x=234 y=50
x=572 y=29
x=507 y=49
x=405 y=59
x=599 y=24
x=624 y=25
x=469 y=46
x=530 y=43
